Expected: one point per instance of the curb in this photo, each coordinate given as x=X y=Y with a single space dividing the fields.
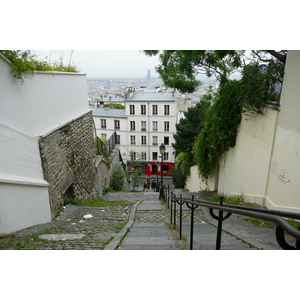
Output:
x=119 y=236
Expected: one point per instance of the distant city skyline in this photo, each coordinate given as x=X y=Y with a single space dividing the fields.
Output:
x=105 y=63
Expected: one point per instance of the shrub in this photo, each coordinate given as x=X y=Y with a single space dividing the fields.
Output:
x=117 y=179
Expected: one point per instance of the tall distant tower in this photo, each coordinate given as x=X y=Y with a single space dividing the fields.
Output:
x=148 y=77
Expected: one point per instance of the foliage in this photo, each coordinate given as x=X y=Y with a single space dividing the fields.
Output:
x=179 y=68
x=100 y=149
x=115 y=106
x=24 y=63
x=259 y=84
x=118 y=178
x=136 y=170
x=67 y=127
x=100 y=145
x=220 y=128
x=181 y=169
x=189 y=127
x=227 y=199
x=217 y=128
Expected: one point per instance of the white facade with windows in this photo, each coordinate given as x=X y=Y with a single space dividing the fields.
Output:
x=148 y=120
x=151 y=119
x=107 y=121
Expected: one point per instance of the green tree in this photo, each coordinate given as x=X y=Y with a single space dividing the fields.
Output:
x=181 y=170
x=189 y=127
x=115 y=106
x=179 y=68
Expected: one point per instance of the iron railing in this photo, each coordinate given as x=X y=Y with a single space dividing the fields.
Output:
x=111 y=142
x=273 y=79
x=282 y=225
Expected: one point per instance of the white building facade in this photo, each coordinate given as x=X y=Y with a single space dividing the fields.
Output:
x=107 y=121
x=151 y=119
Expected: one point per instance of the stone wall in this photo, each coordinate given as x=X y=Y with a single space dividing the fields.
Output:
x=68 y=161
x=104 y=170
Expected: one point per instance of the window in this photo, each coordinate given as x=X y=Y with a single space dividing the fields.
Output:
x=143 y=125
x=167 y=109
x=143 y=109
x=118 y=139
x=154 y=109
x=143 y=140
x=132 y=109
x=132 y=140
x=132 y=125
x=143 y=155
x=133 y=155
x=154 y=155
x=117 y=124
x=166 y=156
x=167 y=125
x=154 y=125
x=154 y=140
x=103 y=123
x=166 y=140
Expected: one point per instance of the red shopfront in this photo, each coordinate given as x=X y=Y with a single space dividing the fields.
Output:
x=152 y=168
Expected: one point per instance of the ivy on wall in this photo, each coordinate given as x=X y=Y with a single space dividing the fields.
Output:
x=220 y=128
x=259 y=84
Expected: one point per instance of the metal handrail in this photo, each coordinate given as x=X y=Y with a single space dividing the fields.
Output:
x=263 y=214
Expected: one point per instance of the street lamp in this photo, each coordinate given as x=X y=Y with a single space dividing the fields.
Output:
x=162 y=150
x=157 y=185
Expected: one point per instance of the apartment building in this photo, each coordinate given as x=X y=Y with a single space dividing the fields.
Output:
x=107 y=121
x=151 y=119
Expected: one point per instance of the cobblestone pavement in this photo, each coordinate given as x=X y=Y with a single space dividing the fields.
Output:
x=80 y=228
x=93 y=228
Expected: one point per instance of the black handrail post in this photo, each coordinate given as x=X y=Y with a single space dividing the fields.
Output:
x=174 y=213
x=168 y=195
x=180 y=219
x=172 y=207
x=192 y=225
x=220 y=220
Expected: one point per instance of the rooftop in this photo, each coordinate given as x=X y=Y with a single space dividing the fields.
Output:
x=107 y=112
x=151 y=96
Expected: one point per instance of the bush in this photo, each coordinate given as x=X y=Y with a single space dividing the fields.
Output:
x=117 y=179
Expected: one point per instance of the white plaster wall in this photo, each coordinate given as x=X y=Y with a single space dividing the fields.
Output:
x=283 y=189
x=245 y=168
x=23 y=206
x=44 y=101
x=19 y=155
x=24 y=199
x=195 y=184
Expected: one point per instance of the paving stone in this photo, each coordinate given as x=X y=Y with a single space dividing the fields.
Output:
x=149 y=231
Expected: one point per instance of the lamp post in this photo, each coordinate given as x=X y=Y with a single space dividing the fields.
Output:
x=157 y=165
x=162 y=150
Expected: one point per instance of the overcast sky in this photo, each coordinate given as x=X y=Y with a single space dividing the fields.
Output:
x=105 y=63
